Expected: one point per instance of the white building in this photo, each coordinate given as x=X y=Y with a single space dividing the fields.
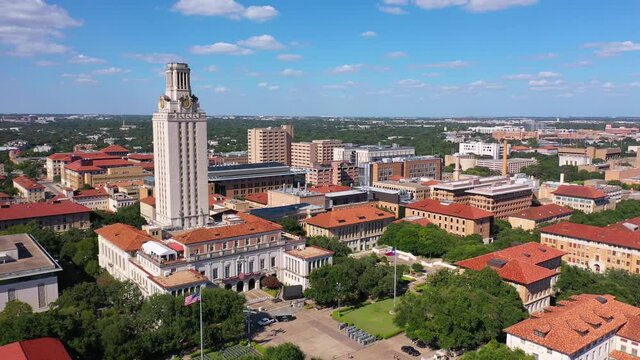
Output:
x=574 y=160
x=360 y=155
x=299 y=263
x=27 y=272
x=586 y=327
x=180 y=154
x=482 y=149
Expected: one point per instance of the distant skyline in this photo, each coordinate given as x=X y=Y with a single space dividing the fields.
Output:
x=418 y=58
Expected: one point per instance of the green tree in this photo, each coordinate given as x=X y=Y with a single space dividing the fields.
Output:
x=127 y=215
x=292 y=226
x=496 y=351
x=622 y=284
x=338 y=247
x=284 y=351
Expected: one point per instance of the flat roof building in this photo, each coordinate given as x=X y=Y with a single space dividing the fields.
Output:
x=271 y=144
x=244 y=179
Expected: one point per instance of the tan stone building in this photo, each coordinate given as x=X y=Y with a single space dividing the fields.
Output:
x=270 y=144
x=319 y=175
x=290 y=196
x=502 y=200
x=408 y=168
x=529 y=218
x=414 y=190
x=308 y=154
x=57 y=215
x=583 y=198
x=458 y=219
x=359 y=227
x=344 y=173
x=102 y=172
x=29 y=189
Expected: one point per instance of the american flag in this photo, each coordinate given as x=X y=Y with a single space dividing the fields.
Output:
x=392 y=252
x=192 y=299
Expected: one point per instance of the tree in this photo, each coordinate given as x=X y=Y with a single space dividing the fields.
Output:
x=625 y=209
x=338 y=247
x=417 y=267
x=127 y=215
x=496 y=351
x=480 y=171
x=284 y=351
x=460 y=312
x=622 y=284
x=292 y=226
x=270 y=282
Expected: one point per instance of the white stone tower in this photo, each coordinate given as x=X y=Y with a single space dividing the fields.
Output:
x=180 y=154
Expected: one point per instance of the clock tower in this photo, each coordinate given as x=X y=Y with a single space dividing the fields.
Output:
x=180 y=154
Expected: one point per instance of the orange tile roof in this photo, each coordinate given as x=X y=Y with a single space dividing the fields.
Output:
x=4 y=195
x=631 y=330
x=41 y=209
x=252 y=225
x=520 y=264
x=619 y=355
x=325 y=189
x=310 y=252
x=260 y=198
x=349 y=216
x=140 y=157
x=27 y=183
x=574 y=324
x=420 y=221
x=66 y=157
x=46 y=348
x=78 y=166
x=107 y=163
x=430 y=182
x=126 y=237
x=149 y=165
x=454 y=209
x=519 y=148
x=605 y=235
x=579 y=191
x=93 y=155
x=543 y=213
x=114 y=149
x=149 y=200
x=101 y=192
x=216 y=198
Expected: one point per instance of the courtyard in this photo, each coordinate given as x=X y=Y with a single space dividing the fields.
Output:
x=374 y=318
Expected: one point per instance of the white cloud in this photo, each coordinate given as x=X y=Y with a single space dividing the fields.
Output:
x=369 y=34
x=81 y=78
x=45 y=63
x=411 y=83
x=83 y=59
x=226 y=8
x=109 y=71
x=289 y=57
x=220 y=48
x=396 y=54
x=393 y=10
x=347 y=68
x=155 y=58
x=544 y=82
x=540 y=75
x=344 y=85
x=291 y=73
x=261 y=42
x=396 y=2
x=456 y=64
x=220 y=89
x=430 y=74
x=263 y=84
x=519 y=77
x=548 y=74
x=211 y=68
x=613 y=48
x=31 y=27
x=546 y=56
x=273 y=87
x=473 y=5
x=578 y=64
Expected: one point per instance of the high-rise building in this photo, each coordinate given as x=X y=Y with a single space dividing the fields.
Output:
x=270 y=144
x=308 y=154
x=180 y=154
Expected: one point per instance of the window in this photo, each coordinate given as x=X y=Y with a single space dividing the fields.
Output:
x=227 y=270
x=42 y=296
x=273 y=261
x=261 y=264
x=214 y=273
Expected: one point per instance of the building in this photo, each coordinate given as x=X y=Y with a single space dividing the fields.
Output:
x=591 y=152
x=299 y=263
x=458 y=219
x=45 y=348
x=180 y=154
x=344 y=173
x=531 y=268
x=101 y=172
x=359 y=155
x=298 y=212
x=583 y=198
x=289 y=196
x=94 y=199
x=408 y=168
x=514 y=135
x=55 y=215
x=272 y=144
x=597 y=248
x=531 y=217
x=115 y=150
x=308 y=154
x=514 y=165
x=482 y=149
x=27 y=272
x=241 y=180
x=593 y=327
x=319 y=175
x=456 y=190
x=355 y=196
x=408 y=189
x=501 y=199
x=29 y=189
x=573 y=160
x=359 y=227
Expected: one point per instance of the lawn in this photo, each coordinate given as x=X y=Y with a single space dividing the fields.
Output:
x=373 y=318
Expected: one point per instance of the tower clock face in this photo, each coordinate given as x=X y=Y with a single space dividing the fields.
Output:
x=186 y=102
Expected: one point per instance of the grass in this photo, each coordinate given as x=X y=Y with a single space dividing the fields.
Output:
x=373 y=318
x=272 y=292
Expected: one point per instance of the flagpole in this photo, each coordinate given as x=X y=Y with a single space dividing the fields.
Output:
x=201 y=342
x=395 y=274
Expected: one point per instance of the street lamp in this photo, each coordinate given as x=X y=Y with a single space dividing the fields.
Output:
x=339 y=291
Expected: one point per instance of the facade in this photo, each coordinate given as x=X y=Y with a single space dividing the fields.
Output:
x=573 y=160
x=241 y=180
x=597 y=248
x=585 y=327
x=501 y=199
x=458 y=219
x=344 y=173
x=180 y=154
x=369 y=153
x=591 y=152
x=56 y=215
x=456 y=190
x=270 y=144
x=482 y=149
x=583 y=198
x=410 y=190
x=291 y=196
x=94 y=199
x=298 y=212
x=514 y=165
x=514 y=135
x=530 y=218
x=408 y=168
x=319 y=175
x=101 y=172
x=308 y=154
x=299 y=263
x=531 y=268
x=27 y=272
x=359 y=227
x=29 y=189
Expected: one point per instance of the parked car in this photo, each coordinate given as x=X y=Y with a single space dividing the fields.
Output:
x=410 y=350
x=419 y=343
x=285 y=318
x=265 y=321
x=276 y=300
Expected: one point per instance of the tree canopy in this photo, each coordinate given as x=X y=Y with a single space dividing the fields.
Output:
x=619 y=283
x=338 y=247
x=126 y=215
x=496 y=351
x=625 y=209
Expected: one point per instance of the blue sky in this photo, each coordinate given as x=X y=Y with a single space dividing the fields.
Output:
x=328 y=57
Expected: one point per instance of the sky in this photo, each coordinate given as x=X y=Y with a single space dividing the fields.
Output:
x=325 y=57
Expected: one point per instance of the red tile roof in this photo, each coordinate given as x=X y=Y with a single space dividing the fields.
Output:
x=579 y=191
x=619 y=355
x=575 y=324
x=41 y=209
x=140 y=157
x=260 y=198
x=114 y=149
x=5 y=195
x=420 y=221
x=430 y=182
x=46 y=348
x=519 y=148
x=107 y=163
x=519 y=264
x=27 y=183
x=149 y=165
x=251 y=226
x=78 y=166
x=216 y=199
x=325 y=189
x=93 y=155
x=101 y=192
x=149 y=200
x=454 y=209
x=126 y=237
x=66 y=157
x=543 y=213
x=605 y=235
x=349 y=216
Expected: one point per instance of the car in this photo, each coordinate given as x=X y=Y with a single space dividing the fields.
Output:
x=276 y=300
x=419 y=343
x=265 y=321
x=285 y=318
x=410 y=350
